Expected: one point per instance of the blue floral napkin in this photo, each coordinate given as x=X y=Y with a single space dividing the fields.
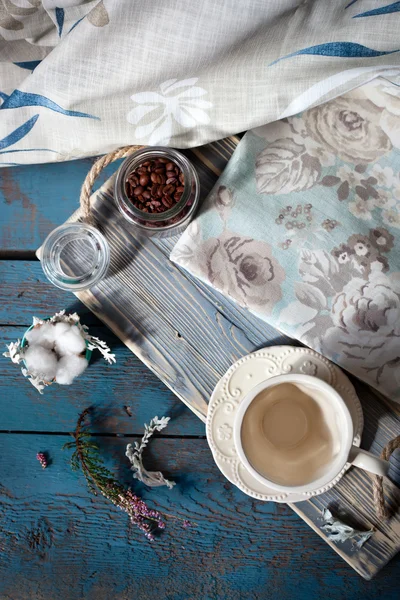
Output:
x=303 y=228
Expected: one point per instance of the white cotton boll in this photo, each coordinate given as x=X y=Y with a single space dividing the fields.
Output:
x=33 y=335
x=60 y=328
x=70 y=342
x=70 y=367
x=41 y=362
x=46 y=335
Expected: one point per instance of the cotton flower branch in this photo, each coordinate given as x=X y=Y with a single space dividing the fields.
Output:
x=53 y=350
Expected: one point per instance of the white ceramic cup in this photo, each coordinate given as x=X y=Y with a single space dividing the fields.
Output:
x=347 y=453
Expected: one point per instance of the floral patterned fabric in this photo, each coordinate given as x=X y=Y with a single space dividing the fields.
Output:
x=84 y=77
x=303 y=228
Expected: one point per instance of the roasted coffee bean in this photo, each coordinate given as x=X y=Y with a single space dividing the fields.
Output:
x=169 y=189
x=166 y=201
x=155 y=186
x=138 y=190
x=154 y=177
x=133 y=180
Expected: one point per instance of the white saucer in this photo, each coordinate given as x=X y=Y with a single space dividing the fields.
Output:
x=245 y=374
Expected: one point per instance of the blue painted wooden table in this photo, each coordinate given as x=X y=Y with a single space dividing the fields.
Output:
x=57 y=541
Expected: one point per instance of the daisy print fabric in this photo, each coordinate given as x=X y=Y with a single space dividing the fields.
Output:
x=303 y=229
x=176 y=103
x=84 y=77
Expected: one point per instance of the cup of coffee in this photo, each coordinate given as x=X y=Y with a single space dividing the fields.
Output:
x=294 y=433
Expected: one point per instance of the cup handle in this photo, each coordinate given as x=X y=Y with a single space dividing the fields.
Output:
x=367 y=461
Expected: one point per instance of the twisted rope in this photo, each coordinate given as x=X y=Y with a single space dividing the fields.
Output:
x=94 y=172
x=377 y=480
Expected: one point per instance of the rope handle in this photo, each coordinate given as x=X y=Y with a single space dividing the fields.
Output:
x=377 y=482
x=94 y=172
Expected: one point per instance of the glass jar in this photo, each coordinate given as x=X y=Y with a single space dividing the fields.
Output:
x=75 y=256
x=172 y=221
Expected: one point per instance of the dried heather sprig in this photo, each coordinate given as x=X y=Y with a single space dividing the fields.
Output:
x=100 y=479
x=42 y=459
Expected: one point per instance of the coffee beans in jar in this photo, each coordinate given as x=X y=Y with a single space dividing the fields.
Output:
x=157 y=189
x=156 y=185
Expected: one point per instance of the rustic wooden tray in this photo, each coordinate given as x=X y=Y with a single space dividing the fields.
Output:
x=189 y=335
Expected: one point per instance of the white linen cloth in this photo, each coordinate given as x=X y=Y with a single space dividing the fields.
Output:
x=81 y=77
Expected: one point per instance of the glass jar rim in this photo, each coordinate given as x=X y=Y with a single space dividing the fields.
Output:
x=86 y=280
x=138 y=158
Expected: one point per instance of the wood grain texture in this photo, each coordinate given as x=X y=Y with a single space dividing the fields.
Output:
x=160 y=315
x=25 y=291
x=257 y=331
x=63 y=543
x=110 y=387
x=34 y=200
x=184 y=334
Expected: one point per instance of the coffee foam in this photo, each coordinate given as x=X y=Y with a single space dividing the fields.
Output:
x=290 y=434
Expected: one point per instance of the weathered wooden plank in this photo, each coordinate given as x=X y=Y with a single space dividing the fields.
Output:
x=24 y=292
x=256 y=330
x=353 y=495
x=35 y=200
x=153 y=307
x=153 y=346
x=110 y=387
x=137 y=291
x=57 y=541
x=24 y=282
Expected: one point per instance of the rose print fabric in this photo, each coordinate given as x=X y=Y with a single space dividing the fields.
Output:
x=303 y=228
x=84 y=77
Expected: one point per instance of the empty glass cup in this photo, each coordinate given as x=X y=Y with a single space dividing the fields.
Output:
x=75 y=256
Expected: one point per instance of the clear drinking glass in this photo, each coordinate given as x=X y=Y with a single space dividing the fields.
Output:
x=75 y=256
x=172 y=221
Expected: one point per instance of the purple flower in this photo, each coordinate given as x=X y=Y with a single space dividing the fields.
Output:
x=42 y=459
